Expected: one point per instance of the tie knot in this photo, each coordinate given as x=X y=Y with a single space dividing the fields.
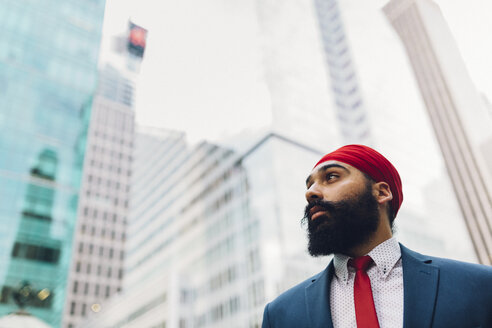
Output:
x=360 y=263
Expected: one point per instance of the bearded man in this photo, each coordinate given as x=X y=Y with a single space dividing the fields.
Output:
x=353 y=195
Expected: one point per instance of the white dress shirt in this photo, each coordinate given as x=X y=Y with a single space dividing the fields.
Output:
x=386 y=276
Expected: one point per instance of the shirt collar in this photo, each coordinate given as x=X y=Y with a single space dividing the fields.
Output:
x=384 y=255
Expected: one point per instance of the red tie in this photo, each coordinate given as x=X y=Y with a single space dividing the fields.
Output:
x=365 y=312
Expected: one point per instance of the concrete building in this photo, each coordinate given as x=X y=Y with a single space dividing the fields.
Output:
x=98 y=252
x=456 y=109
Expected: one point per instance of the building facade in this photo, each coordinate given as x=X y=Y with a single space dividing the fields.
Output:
x=48 y=70
x=96 y=270
x=210 y=238
x=293 y=67
x=457 y=111
x=352 y=116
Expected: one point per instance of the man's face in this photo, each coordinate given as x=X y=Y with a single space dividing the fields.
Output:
x=342 y=212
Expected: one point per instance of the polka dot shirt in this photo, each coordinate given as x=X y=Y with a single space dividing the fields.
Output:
x=386 y=276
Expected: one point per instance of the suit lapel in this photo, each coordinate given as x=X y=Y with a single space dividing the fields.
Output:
x=420 y=282
x=318 y=300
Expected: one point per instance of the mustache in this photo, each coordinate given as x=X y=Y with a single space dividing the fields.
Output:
x=324 y=204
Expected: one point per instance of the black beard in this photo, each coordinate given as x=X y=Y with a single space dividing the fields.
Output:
x=348 y=223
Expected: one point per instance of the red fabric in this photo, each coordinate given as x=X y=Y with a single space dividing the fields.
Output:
x=373 y=164
x=365 y=311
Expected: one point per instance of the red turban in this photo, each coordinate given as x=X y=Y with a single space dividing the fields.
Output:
x=373 y=164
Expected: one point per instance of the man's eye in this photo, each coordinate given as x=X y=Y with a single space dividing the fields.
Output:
x=330 y=176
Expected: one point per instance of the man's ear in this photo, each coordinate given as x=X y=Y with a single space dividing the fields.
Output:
x=382 y=192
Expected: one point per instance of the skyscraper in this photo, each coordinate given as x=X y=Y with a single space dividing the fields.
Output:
x=456 y=109
x=96 y=270
x=48 y=69
x=351 y=115
x=293 y=66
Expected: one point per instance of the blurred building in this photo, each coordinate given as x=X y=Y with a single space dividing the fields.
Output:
x=213 y=234
x=96 y=270
x=351 y=115
x=457 y=111
x=48 y=71
x=293 y=65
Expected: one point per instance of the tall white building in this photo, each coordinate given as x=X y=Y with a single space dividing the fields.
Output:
x=456 y=109
x=352 y=116
x=96 y=270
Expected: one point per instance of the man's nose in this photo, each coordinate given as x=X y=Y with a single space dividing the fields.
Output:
x=313 y=193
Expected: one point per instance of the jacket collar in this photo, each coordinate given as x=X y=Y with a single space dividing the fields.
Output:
x=420 y=282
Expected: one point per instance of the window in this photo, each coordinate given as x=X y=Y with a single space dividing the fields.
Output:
x=75 y=287
x=36 y=253
x=72 y=308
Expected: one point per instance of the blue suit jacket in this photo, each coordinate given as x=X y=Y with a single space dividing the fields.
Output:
x=438 y=293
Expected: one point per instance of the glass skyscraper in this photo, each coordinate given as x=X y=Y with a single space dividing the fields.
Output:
x=48 y=68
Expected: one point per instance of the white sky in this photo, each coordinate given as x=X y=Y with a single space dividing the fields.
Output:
x=201 y=68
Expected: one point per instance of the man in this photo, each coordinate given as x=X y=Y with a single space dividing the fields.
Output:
x=354 y=194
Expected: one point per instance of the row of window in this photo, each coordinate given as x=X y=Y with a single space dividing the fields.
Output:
x=110 y=183
x=90 y=249
x=94 y=213
x=99 y=270
x=36 y=253
x=113 y=154
x=97 y=290
x=110 y=168
x=109 y=198
x=104 y=233
x=219 y=312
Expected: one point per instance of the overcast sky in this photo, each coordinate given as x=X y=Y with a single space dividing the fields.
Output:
x=200 y=71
